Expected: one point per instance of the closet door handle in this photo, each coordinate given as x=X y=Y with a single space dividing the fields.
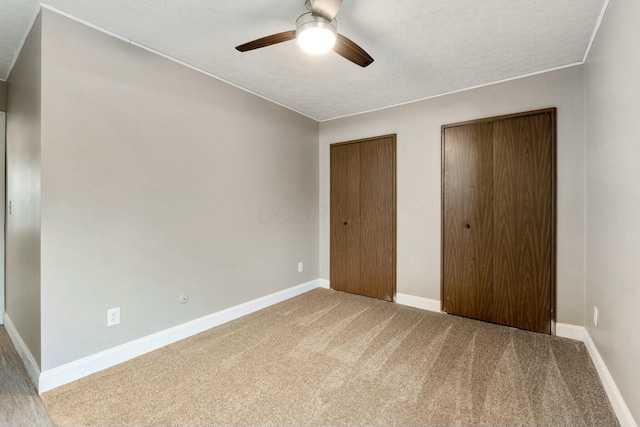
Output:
x=345 y=223
x=467 y=226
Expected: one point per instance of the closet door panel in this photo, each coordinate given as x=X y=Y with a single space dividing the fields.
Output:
x=467 y=221
x=522 y=186
x=345 y=218
x=377 y=215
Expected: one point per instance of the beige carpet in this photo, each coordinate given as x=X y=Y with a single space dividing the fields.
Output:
x=327 y=358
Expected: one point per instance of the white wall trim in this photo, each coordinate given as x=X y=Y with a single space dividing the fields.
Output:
x=573 y=332
x=75 y=370
x=23 y=41
x=200 y=70
x=3 y=198
x=605 y=6
x=170 y=58
x=418 y=302
x=580 y=333
x=23 y=351
x=403 y=299
x=619 y=406
x=324 y=283
x=465 y=89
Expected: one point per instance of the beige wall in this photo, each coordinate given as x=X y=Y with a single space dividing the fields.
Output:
x=158 y=181
x=3 y=96
x=23 y=191
x=613 y=196
x=418 y=128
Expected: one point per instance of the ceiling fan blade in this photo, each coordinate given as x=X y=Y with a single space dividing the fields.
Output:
x=267 y=41
x=326 y=8
x=351 y=51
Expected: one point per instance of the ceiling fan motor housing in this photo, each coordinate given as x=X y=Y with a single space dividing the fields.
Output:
x=308 y=20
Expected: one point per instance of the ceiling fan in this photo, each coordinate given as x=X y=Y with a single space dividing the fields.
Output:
x=317 y=33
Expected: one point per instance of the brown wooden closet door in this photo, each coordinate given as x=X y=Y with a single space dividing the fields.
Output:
x=363 y=217
x=345 y=218
x=522 y=208
x=467 y=221
x=498 y=220
x=377 y=209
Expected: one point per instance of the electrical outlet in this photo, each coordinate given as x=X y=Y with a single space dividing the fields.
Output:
x=595 y=316
x=300 y=267
x=113 y=316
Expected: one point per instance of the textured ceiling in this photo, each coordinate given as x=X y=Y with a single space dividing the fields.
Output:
x=421 y=49
x=15 y=17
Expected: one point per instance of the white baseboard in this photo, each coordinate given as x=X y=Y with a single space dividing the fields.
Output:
x=404 y=299
x=573 y=332
x=75 y=370
x=27 y=358
x=323 y=283
x=418 y=302
x=619 y=406
x=580 y=333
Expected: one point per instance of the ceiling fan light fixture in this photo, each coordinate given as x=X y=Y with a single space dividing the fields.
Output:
x=316 y=35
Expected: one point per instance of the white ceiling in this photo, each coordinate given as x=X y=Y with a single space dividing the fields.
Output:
x=421 y=49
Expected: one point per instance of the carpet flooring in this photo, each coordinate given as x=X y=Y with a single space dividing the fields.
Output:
x=20 y=404
x=327 y=358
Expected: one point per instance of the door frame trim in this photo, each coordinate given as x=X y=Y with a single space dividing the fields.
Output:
x=3 y=214
x=551 y=111
x=394 y=137
x=554 y=179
